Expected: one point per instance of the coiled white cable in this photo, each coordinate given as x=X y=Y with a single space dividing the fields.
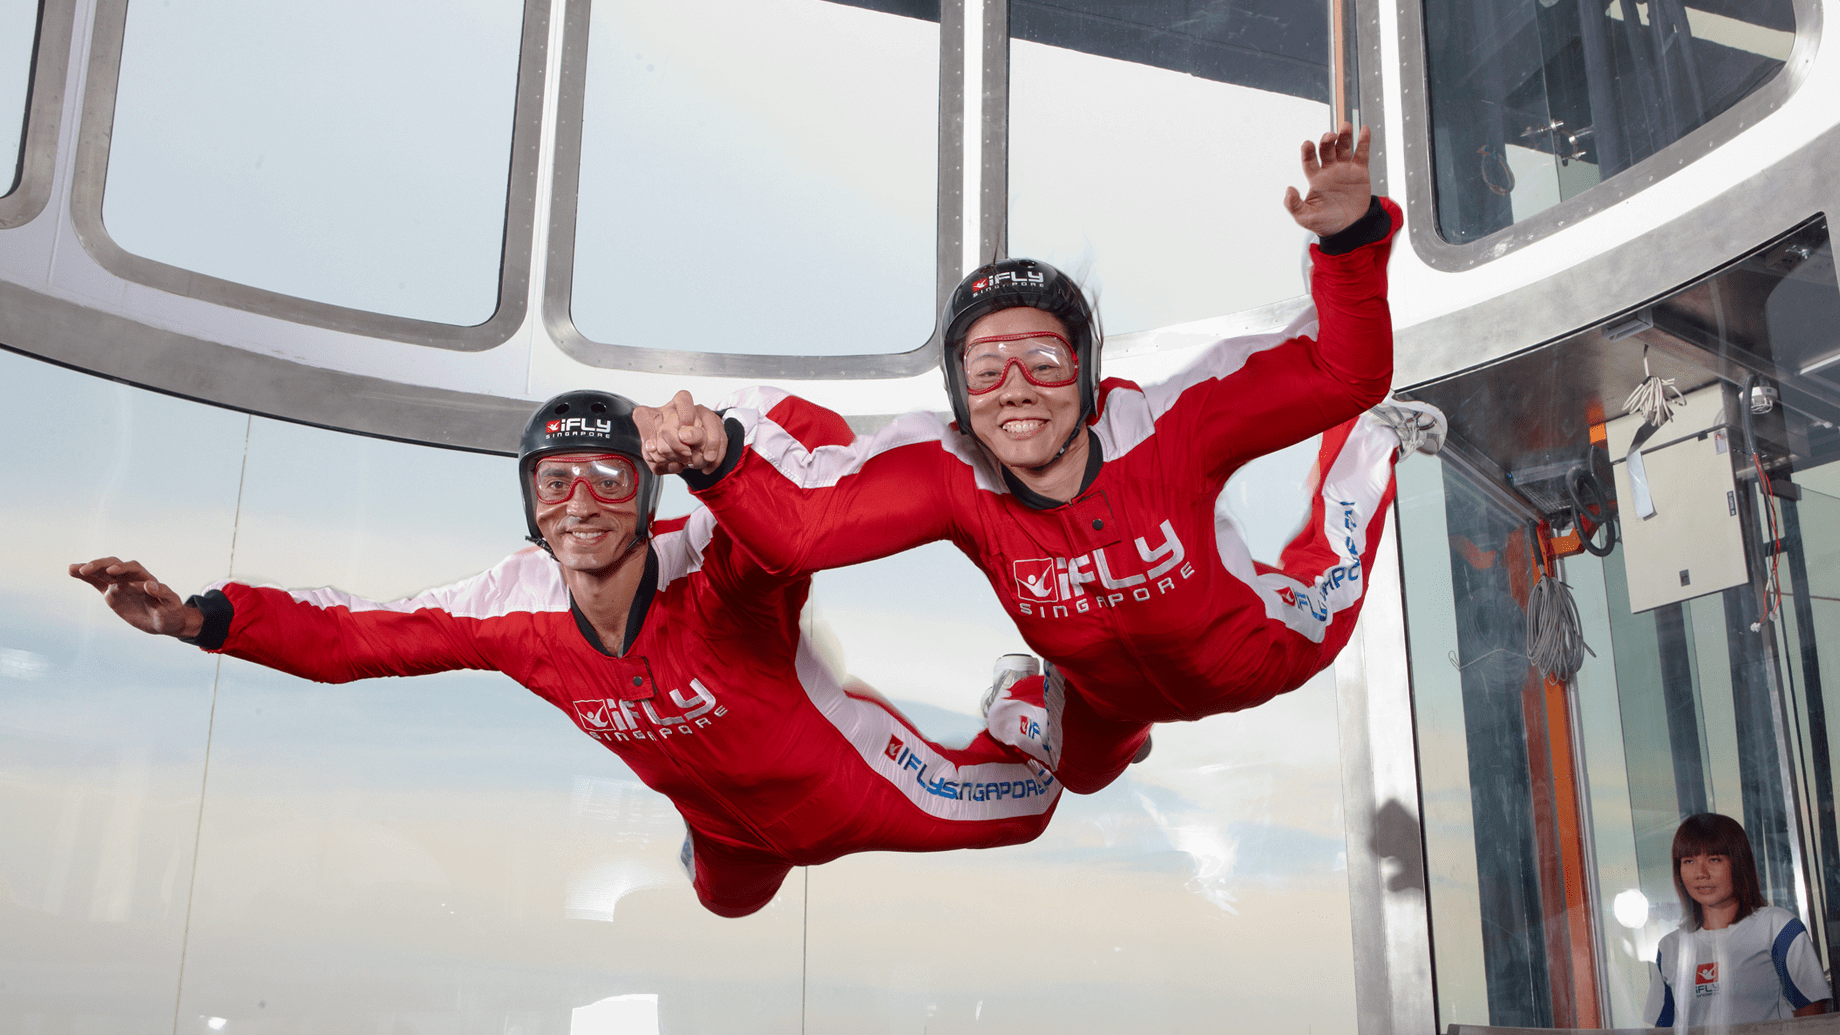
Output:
x=1555 y=640
x=1650 y=399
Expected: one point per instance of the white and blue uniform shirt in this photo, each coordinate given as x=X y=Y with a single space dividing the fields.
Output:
x=1762 y=968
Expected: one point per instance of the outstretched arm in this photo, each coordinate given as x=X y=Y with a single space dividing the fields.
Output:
x=1245 y=397
x=801 y=492
x=141 y=600
x=323 y=635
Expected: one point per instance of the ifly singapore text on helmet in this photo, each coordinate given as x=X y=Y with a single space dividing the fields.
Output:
x=1015 y=278
x=579 y=426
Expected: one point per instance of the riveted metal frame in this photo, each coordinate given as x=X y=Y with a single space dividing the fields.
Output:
x=1421 y=199
x=1382 y=811
x=43 y=116
x=91 y=341
x=993 y=176
x=1370 y=97
x=514 y=273
x=559 y=280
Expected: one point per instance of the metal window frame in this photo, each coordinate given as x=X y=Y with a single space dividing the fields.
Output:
x=187 y=367
x=43 y=115
x=559 y=279
x=92 y=161
x=1382 y=796
x=1421 y=185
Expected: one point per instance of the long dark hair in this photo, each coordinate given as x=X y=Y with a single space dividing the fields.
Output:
x=1709 y=833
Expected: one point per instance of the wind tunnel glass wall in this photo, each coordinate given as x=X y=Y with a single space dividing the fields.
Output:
x=1150 y=145
x=18 y=32
x=758 y=178
x=353 y=152
x=1550 y=807
x=1535 y=101
x=449 y=853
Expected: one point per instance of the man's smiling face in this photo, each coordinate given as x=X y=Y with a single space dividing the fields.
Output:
x=583 y=531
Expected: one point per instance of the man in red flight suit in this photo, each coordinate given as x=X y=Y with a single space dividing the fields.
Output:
x=663 y=641
x=1089 y=504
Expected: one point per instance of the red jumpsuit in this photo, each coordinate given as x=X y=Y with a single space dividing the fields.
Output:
x=1148 y=604
x=718 y=702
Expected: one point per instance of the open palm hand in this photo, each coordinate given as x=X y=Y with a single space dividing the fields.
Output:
x=1340 y=187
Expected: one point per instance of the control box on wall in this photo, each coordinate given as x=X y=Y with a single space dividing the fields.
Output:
x=1678 y=507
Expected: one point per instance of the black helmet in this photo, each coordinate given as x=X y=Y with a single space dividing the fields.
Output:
x=586 y=422
x=1009 y=284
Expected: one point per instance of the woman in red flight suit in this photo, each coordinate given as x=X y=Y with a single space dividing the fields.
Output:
x=1090 y=504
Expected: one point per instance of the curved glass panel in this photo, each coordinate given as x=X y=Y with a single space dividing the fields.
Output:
x=1672 y=717
x=448 y=854
x=353 y=152
x=758 y=178
x=1550 y=809
x=1534 y=101
x=18 y=31
x=1150 y=146
x=372 y=849
x=103 y=730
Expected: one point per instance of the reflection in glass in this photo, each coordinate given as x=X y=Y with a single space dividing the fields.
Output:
x=1703 y=704
x=103 y=729
x=758 y=178
x=1221 y=854
x=1675 y=719
x=1148 y=153
x=1810 y=645
x=18 y=32
x=1481 y=731
x=1535 y=101
x=353 y=152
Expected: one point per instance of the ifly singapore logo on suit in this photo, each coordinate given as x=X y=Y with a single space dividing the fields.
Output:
x=1056 y=587
x=619 y=721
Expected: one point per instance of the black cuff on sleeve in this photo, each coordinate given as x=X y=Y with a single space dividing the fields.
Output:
x=218 y=610
x=1371 y=227
x=699 y=481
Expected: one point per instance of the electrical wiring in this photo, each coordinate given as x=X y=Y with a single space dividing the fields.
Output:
x=1650 y=398
x=1772 y=588
x=1579 y=484
x=1555 y=638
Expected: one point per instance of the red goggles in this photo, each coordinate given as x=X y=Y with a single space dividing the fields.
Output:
x=1045 y=359
x=609 y=478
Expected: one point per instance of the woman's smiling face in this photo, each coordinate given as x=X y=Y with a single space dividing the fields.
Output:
x=1023 y=423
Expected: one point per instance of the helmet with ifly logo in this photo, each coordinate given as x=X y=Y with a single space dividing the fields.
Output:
x=590 y=423
x=1009 y=284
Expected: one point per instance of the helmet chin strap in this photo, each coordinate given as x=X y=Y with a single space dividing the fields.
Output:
x=1078 y=426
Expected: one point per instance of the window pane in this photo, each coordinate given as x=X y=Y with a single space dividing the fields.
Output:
x=431 y=854
x=1479 y=757
x=1675 y=709
x=18 y=26
x=1148 y=157
x=103 y=729
x=352 y=152
x=1534 y=101
x=758 y=178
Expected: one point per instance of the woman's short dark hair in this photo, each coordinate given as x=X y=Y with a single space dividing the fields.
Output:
x=1709 y=833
